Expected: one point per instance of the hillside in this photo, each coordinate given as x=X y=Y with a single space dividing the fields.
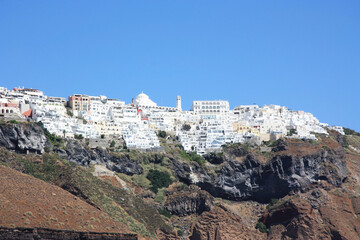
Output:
x=29 y=202
x=284 y=189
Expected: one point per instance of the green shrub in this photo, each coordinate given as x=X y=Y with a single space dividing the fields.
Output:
x=197 y=158
x=179 y=146
x=160 y=196
x=158 y=180
x=69 y=112
x=273 y=201
x=165 y=213
x=79 y=137
x=186 y=127
x=292 y=132
x=349 y=131
x=180 y=233
x=193 y=156
x=162 y=134
x=262 y=227
x=13 y=121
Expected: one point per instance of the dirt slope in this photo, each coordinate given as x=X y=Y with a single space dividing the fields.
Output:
x=29 y=202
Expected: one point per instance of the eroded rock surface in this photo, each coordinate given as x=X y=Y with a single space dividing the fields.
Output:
x=295 y=217
x=250 y=178
x=189 y=201
x=76 y=152
x=23 y=138
x=221 y=224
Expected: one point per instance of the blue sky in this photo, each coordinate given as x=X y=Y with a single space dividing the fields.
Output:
x=301 y=54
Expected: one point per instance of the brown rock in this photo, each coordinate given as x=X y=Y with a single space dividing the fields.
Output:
x=221 y=224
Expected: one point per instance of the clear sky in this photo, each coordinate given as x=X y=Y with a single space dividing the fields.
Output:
x=301 y=54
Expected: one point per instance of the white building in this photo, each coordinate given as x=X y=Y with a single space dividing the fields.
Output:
x=210 y=109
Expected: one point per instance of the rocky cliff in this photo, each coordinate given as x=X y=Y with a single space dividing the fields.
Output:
x=23 y=137
x=76 y=152
x=221 y=224
x=30 y=138
x=242 y=175
x=189 y=201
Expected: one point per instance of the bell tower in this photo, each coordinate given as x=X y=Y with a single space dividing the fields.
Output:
x=178 y=103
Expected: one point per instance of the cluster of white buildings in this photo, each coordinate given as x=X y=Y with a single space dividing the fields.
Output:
x=204 y=128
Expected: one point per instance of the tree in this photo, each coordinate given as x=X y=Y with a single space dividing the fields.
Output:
x=162 y=134
x=112 y=144
x=69 y=112
x=262 y=227
x=292 y=131
x=186 y=127
x=158 y=180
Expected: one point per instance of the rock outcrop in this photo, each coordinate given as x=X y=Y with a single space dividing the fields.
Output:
x=76 y=152
x=30 y=138
x=23 y=137
x=313 y=215
x=284 y=173
x=221 y=224
x=189 y=201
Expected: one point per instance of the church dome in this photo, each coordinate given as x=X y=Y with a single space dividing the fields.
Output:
x=143 y=100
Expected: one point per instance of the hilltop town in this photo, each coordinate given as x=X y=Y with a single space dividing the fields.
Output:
x=204 y=128
x=111 y=170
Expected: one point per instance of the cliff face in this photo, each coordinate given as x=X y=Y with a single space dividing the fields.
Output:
x=29 y=137
x=221 y=224
x=189 y=201
x=23 y=138
x=76 y=152
x=316 y=214
x=249 y=178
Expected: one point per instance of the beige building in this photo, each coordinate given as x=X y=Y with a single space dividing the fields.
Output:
x=80 y=104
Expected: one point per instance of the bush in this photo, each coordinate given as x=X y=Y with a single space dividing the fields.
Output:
x=102 y=136
x=186 y=127
x=13 y=121
x=162 y=134
x=69 y=112
x=160 y=196
x=262 y=227
x=197 y=158
x=273 y=201
x=165 y=213
x=349 y=131
x=180 y=232
x=292 y=132
x=193 y=156
x=79 y=137
x=112 y=144
x=158 y=180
